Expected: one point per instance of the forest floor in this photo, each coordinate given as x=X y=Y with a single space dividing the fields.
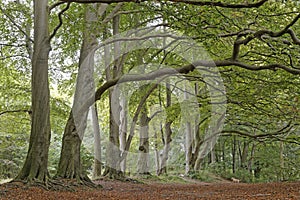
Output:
x=152 y=189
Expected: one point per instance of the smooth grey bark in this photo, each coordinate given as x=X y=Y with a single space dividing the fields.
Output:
x=281 y=160
x=166 y=137
x=113 y=153
x=135 y=119
x=196 y=141
x=194 y=165
x=70 y=165
x=35 y=165
x=156 y=150
x=188 y=147
x=123 y=130
x=212 y=156
x=188 y=140
x=143 y=157
x=97 y=143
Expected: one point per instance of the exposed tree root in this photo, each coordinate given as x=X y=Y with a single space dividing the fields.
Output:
x=114 y=174
x=57 y=184
x=49 y=184
x=78 y=181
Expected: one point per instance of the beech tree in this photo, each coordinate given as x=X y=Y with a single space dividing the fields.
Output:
x=36 y=163
x=70 y=161
x=248 y=43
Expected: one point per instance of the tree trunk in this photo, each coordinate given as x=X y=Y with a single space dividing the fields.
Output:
x=281 y=160
x=250 y=162
x=35 y=166
x=244 y=155
x=143 y=159
x=212 y=156
x=123 y=130
x=166 y=138
x=188 y=140
x=97 y=144
x=198 y=142
x=156 y=151
x=113 y=154
x=70 y=165
x=196 y=160
x=234 y=154
x=188 y=147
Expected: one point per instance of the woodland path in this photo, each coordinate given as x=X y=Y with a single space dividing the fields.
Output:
x=154 y=190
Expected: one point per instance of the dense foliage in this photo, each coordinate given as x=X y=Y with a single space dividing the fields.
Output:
x=257 y=58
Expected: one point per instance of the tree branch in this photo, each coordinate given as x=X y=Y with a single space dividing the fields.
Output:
x=258 y=34
x=135 y=118
x=223 y=63
x=16 y=25
x=113 y=13
x=14 y=111
x=283 y=130
x=181 y=70
x=60 y=20
x=192 y=2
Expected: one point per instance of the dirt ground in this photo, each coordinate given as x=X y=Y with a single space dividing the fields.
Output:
x=153 y=190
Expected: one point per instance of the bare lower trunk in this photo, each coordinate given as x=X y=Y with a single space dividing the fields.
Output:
x=197 y=144
x=113 y=153
x=167 y=137
x=70 y=165
x=123 y=131
x=244 y=155
x=234 y=154
x=97 y=144
x=35 y=166
x=188 y=148
x=165 y=153
x=281 y=159
x=157 y=161
x=143 y=159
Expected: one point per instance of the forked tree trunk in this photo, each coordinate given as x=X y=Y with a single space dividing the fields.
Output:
x=35 y=166
x=165 y=153
x=70 y=165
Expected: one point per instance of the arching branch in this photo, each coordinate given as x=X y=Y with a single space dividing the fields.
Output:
x=181 y=70
x=258 y=34
x=192 y=2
